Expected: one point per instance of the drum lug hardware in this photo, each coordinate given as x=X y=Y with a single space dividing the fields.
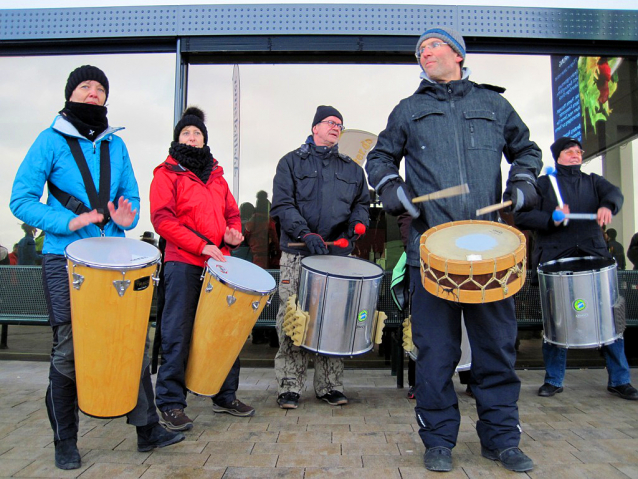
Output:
x=230 y=299
x=78 y=279
x=255 y=305
x=121 y=285
x=209 y=287
x=156 y=278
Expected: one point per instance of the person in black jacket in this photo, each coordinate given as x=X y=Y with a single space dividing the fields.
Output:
x=581 y=193
x=319 y=195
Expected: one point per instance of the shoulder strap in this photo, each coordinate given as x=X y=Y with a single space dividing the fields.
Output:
x=99 y=201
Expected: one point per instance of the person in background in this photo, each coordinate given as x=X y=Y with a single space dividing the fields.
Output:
x=69 y=215
x=27 y=255
x=193 y=209
x=453 y=131
x=615 y=248
x=319 y=195
x=581 y=193
x=13 y=256
x=632 y=251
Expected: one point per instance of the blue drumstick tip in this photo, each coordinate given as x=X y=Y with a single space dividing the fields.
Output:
x=558 y=215
x=550 y=170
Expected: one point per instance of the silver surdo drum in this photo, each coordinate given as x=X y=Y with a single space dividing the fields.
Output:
x=340 y=294
x=578 y=296
x=465 y=363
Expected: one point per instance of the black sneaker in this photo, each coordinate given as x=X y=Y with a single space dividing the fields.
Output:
x=625 y=391
x=411 y=393
x=288 y=400
x=438 y=459
x=176 y=420
x=67 y=455
x=152 y=436
x=334 y=398
x=512 y=458
x=236 y=408
x=547 y=390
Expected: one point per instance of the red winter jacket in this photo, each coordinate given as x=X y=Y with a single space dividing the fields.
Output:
x=181 y=203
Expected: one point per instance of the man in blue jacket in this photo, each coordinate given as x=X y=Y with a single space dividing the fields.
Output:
x=69 y=214
x=453 y=131
x=319 y=195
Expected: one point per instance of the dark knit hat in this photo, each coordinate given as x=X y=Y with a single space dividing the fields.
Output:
x=192 y=116
x=563 y=143
x=453 y=38
x=323 y=112
x=84 y=73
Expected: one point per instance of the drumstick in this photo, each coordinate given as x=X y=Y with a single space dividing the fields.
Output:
x=558 y=215
x=551 y=174
x=489 y=209
x=340 y=243
x=445 y=193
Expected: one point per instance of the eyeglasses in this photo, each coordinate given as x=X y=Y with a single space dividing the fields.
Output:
x=333 y=124
x=575 y=150
x=431 y=46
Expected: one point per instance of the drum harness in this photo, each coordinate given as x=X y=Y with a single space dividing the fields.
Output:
x=99 y=201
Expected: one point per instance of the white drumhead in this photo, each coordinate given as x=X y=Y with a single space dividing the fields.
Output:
x=242 y=275
x=343 y=266
x=472 y=242
x=112 y=253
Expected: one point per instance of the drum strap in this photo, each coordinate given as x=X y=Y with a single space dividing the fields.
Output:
x=206 y=239
x=99 y=201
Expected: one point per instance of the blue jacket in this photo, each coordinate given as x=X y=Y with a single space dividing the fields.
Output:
x=50 y=158
x=319 y=190
x=450 y=134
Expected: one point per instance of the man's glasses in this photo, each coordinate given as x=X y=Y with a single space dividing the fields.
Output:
x=432 y=46
x=333 y=124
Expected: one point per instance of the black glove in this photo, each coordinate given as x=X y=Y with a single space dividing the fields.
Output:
x=396 y=198
x=315 y=243
x=521 y=190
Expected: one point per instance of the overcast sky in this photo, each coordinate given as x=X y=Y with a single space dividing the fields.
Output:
x=278 y=103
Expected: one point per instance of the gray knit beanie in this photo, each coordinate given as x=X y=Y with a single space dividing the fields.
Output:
x=453 y=38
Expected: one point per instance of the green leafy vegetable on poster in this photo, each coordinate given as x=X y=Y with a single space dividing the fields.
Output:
x=597 y=82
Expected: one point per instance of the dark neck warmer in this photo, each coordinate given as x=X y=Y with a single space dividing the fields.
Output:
x=568 y=170
x=199 y=160
x=89 y=120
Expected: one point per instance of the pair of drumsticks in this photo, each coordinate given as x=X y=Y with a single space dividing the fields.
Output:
x=460 y=190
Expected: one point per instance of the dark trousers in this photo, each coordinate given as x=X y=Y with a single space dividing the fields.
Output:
x=183 y=286
x=61 y=395
x=436 y=331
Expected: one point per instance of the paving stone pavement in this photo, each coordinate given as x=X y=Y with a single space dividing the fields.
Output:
x=581 y=433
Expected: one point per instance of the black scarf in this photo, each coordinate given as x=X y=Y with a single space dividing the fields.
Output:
x=199 y=160
x=89 y=120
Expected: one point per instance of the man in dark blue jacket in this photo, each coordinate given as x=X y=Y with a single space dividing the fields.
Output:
x=319 y=195
x=580 y=193
x=453 y=131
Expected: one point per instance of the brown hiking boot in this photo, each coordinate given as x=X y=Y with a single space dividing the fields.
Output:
x=176 y=420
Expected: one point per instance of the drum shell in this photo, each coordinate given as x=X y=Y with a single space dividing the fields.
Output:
x=109 y=336
x=220 y=330
x=341 y=306
x=597 y=288
x=465 y=363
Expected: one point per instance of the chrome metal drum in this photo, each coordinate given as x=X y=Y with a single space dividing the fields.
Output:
x=465 y=363
x=577 y=299
x=340 y=294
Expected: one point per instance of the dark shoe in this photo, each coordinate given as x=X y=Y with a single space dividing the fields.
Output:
x=152 y=436
x=468 y=391
x=176 y=420
x=512 y=458
x=67 y=455
x=438 y=459
x=411 y=394
x=547 y=390
x=236 y=408
x=334 y=398
x=625 y=391
x=288 y=400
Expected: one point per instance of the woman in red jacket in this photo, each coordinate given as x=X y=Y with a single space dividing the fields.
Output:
x=193 y=209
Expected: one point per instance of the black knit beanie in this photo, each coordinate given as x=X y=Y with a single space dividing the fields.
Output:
x=84 y=73
x=192 y=116
x=324 y=112
x=563 y=143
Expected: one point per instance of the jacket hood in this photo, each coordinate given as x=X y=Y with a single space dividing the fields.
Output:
x=64 y=126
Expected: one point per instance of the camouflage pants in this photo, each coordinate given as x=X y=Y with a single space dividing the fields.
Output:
x=291 y=362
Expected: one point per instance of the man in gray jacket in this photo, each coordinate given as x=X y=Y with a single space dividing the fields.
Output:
x=453 y=131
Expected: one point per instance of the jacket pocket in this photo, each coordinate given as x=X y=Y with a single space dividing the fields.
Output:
x=345 y=187
x=305 y=184
x=481 y=127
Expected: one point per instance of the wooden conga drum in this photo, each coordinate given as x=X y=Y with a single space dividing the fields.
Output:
x=473 y=261
x=111 y=285
x=233 y=295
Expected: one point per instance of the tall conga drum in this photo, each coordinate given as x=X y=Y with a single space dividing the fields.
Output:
x=233 y=295
x=111 y=286
x=472 y=261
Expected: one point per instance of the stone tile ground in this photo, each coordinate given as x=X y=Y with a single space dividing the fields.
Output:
x=582 y=433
